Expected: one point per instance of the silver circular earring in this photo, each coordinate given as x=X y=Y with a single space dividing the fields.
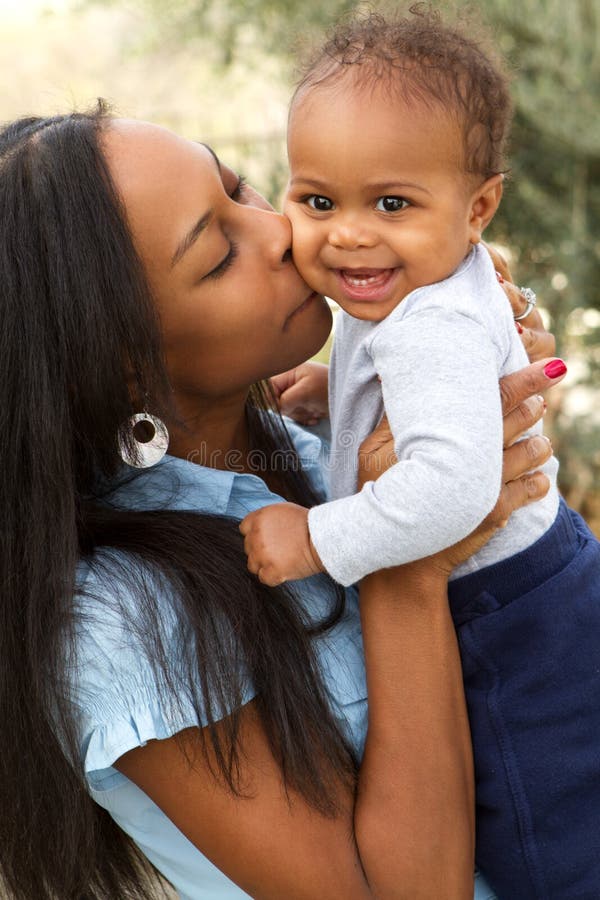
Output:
x=143 y=454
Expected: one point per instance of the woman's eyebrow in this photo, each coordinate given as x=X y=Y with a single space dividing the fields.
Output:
x=191 y=237
x=197 y=229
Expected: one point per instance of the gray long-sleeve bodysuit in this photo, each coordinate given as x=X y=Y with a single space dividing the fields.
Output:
x=438 y=355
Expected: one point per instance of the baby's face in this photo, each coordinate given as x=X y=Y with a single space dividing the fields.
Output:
x=377 y=199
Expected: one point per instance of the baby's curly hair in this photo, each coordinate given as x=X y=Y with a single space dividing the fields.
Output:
x=424 y=60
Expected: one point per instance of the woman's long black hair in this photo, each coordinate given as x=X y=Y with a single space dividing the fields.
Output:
x=76 y=319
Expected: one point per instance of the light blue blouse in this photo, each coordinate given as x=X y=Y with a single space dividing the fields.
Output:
x=116 y=692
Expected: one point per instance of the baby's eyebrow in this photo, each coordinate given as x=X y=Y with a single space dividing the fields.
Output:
x=372 y=186
x=395 y=186
x=313 y=182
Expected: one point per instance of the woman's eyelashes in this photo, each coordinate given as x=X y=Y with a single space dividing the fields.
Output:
x=237 y=195
x=238 y=192
x=225 y=263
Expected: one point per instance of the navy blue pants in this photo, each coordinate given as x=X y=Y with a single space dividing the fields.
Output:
x=529 y=635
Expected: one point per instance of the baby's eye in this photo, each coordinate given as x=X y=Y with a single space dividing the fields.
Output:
x=320 y=204
x=391 y=204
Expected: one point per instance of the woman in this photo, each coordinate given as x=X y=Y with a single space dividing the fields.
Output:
x=140 y=275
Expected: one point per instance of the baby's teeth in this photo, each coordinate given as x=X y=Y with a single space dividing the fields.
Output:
x=359 y=282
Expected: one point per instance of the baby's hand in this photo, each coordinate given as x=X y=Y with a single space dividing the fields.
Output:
x=301 y=393
x=278 y=544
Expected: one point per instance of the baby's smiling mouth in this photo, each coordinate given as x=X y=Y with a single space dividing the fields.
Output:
x=364 y=277
x=367 y=283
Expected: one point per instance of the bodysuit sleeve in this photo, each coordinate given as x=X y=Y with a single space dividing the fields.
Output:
x=439 y=375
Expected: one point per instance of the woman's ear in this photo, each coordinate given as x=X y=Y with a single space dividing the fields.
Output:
x=484 y=203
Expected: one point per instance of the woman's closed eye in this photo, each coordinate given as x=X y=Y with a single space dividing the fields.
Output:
x=238 y=192
x=391 y=204
x=225 y=263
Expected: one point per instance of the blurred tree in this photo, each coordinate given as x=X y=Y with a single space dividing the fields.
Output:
x=229 y=28
x=551 y=211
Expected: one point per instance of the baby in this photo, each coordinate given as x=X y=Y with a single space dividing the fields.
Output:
x=396 y=140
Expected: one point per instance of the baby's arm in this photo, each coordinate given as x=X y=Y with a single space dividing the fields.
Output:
x=432 y=365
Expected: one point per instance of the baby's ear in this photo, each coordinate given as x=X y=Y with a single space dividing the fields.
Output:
x=484 y=203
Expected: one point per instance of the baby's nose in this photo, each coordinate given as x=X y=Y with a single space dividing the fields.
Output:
x=351 y=236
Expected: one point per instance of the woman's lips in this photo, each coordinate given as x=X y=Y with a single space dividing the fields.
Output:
x=312 y=296
x=365 y=284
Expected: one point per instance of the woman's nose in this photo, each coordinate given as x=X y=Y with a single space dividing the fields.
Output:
x=275 y=233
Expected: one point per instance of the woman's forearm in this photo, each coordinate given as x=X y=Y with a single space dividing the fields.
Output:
x=415 y=805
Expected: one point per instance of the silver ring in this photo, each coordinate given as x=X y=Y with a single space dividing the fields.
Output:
x=530 y=299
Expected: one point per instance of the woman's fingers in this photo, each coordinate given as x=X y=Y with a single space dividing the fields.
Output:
x=521 y=484
x=519 y=304
x=522 y=418
x=538 y=342
x=376 y=453
x=515 y=494
x=530 y=381
x=380 y=436
x=499 y=261
x=524 y=456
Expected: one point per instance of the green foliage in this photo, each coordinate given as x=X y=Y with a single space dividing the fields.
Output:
x=551 y=210
x=276 y=25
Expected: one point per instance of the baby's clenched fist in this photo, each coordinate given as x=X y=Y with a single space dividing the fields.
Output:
x=278 y=545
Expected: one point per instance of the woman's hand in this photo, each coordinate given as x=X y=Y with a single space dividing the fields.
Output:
x=520 y=487
x=538 y=342
x=301 y=393
x=522 y=407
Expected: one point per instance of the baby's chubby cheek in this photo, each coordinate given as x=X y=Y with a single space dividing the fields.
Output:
x=305 y=250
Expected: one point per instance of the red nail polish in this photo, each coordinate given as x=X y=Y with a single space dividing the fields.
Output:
x=555 y=369
x=519 y=327
x=499 y=277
